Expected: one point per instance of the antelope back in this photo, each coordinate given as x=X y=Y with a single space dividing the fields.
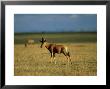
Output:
x=30 y=41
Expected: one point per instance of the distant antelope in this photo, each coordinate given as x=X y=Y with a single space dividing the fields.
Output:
x=29 y=42
x=53 y=48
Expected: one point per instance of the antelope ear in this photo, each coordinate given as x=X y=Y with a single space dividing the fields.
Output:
x=44 y=40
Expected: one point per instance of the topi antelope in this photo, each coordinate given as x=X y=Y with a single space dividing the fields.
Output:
x=53 y=48
x=29 y=42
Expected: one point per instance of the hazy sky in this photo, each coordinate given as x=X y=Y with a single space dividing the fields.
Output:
x=55 y=22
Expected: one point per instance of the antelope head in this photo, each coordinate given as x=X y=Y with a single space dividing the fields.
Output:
x=43 y=42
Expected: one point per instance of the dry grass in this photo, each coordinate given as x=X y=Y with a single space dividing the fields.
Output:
x=34 y=61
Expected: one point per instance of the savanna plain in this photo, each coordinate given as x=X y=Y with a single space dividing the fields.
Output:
x=35 y=61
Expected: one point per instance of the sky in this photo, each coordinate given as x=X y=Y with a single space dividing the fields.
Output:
x=55 y=22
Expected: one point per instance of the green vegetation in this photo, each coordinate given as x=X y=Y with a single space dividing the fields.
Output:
x=21 y=38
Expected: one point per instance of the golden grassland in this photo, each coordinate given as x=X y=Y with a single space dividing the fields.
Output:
x=35 y=61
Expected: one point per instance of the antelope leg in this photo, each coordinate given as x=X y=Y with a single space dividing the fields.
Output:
x=54 y=58
x=51 y=59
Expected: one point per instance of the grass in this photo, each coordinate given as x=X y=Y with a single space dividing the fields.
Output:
x=35 y=61
x=21 y=38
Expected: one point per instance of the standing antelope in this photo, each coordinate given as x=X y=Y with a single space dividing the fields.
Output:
x=53 y=48
x=29 y=42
